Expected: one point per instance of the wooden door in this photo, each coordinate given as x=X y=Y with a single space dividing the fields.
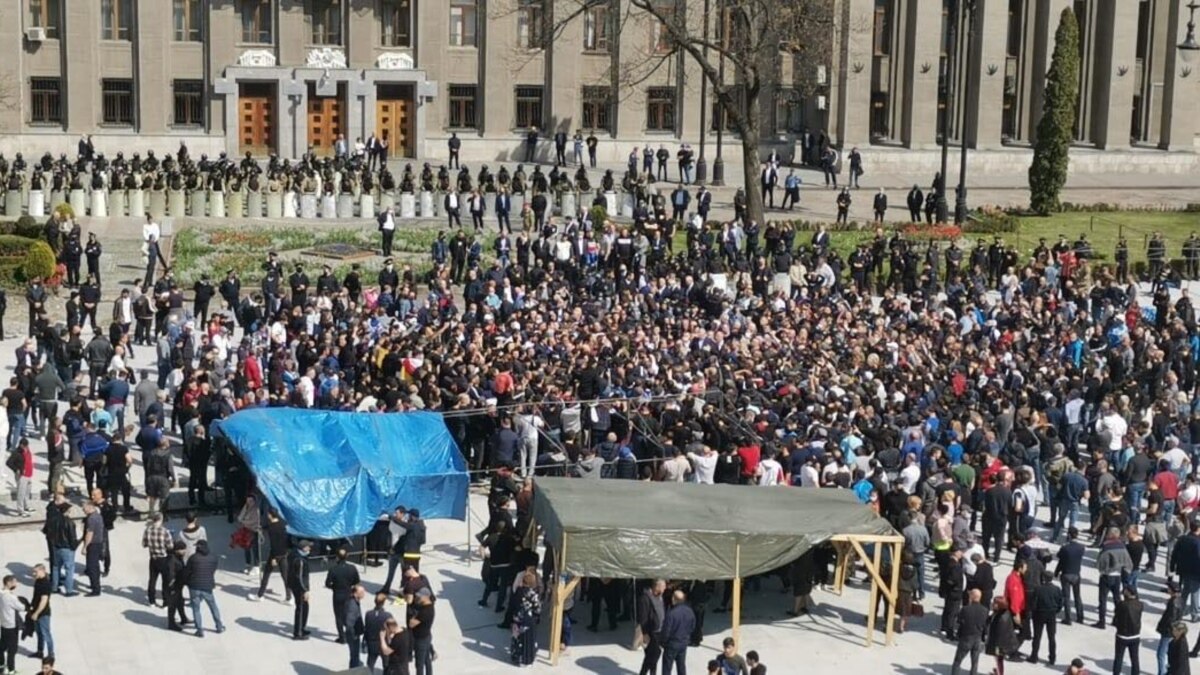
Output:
x=256 y=119
x=324 y=123
x=393 y=111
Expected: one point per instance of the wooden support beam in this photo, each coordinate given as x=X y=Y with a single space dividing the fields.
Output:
x=561 y=591
x=874 y=594
x=737 y=594
x=873 y=570
x=897 y=549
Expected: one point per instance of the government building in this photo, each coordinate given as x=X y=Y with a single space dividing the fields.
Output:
x=283 y=76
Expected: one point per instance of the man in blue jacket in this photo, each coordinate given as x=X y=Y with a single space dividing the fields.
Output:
x=1185 y=561
x=676 y=631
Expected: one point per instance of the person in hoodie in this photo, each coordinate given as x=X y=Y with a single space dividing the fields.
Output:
x=201 y=581
x=191 y=535
x=590 y=465
x=1113 y=564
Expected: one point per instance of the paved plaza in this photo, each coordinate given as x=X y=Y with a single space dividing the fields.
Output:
x=118 y=633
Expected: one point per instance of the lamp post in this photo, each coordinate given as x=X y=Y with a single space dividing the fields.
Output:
x=960 y=202
x=701 y=163
x=948 y=83
x=718 y=177
x=1189 y=45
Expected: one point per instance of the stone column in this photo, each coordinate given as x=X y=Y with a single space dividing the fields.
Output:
x=920 y=81
x=985 y=112
x=1180 y=96
x=154 y=28
x=854 y=100
x=1113 y=73
x=81 y=30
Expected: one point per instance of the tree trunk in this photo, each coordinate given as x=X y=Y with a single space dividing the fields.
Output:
x=750 y=162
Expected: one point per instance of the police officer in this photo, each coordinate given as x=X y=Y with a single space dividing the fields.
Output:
x=1121 y=255
x=341 y=578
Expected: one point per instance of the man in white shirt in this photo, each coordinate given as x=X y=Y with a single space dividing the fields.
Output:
x=676 y=469
x=1115 y=424
x=910 y=474
x=770 y=471
x=704 y=464
x=387 y=227
x=11 y=612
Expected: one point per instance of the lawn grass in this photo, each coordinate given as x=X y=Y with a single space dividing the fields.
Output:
x=1103 y=230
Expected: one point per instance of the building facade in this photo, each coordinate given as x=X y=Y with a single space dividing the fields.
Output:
x=280 y=76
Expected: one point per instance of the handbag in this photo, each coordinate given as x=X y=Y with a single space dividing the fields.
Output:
x=241 y=538
x=916 y=609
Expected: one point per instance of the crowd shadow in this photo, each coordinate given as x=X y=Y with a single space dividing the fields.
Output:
x=144 y=618
x=281 y=628
x=478 y=625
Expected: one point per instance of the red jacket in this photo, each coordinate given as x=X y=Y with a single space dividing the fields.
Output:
x=1014 y=592
x=27 y=469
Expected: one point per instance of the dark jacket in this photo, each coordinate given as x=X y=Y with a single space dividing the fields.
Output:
x=972 y=623
x=298 y=572
x=352 y=618
x=1002 y=635
x=202 y=569
x=1070 y=559
x=1185 y=560
x=1046 y=600
x=341 y=579
x=1127 y=618
x=1177 y=657
x=1172 y=613
x=677 y=627
x=985 y=580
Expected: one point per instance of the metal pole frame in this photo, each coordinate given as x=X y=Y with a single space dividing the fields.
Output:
x=960 y=200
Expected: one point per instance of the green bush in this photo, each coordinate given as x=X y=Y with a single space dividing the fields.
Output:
x=991 y=223
x=599 y=215
x=39 y=261
x=28 y=226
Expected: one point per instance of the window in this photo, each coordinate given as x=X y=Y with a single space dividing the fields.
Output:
x=116 y=18
x=883 y=29
x=661 y=41
x=531 y=23
x=1143 y=30
x=258 y=26
x=529 y=107
x=118 y=102
x=325 y=16
x=597 y=102
x=189 y=103
x=44 y=14
x=187 y=20
x=596 y=27
x=45 y=100
x=462 y=23
x=397 y=23
x=660 y=109
x=462 y=106
x=1016 y=27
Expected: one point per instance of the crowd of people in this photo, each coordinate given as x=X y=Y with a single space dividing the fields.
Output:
x=949 y=390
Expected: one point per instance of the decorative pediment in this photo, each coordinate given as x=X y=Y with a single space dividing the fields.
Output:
x=326 y=57
x=394 y=61
x=257 y=58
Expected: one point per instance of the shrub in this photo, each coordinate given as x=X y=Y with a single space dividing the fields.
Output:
x=39 y=261
x=28 y=226
x=599 y=215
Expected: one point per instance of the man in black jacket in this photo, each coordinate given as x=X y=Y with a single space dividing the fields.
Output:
x=676 y=634
x=341 y=578
x=1070 y=564
x=972 y=629
x=350 y=621
x=201 y=581
x=1127 y=619
x=952 y=586
x=176 y=581
x=1045 y=604
x=650 y=612
x=997 y=501
x=298 y=584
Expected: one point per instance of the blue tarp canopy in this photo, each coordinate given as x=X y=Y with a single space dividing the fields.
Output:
x=330 y=474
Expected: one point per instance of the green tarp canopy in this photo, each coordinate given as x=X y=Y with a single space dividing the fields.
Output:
x=627 y=529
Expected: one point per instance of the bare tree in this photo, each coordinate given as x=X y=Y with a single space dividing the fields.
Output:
x=738 y=46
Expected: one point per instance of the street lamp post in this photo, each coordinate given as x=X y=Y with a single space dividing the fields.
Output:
x=1189 y=44
x=718 y=177
x=947 y=85
x=960 y=202
x=701 y=163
